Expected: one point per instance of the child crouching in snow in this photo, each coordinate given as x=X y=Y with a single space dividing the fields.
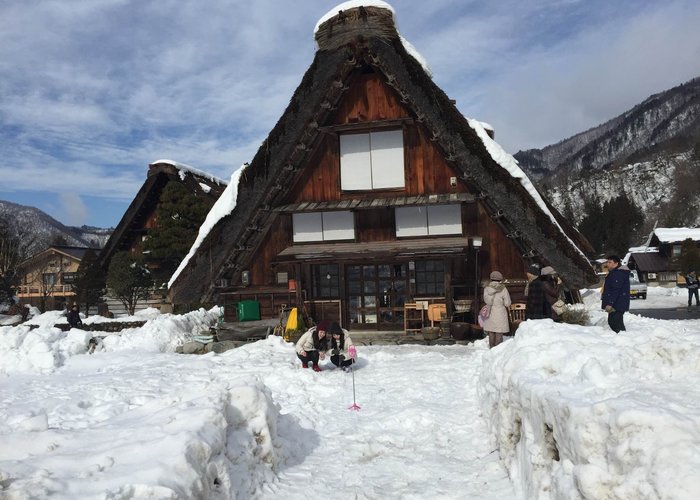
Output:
x=312 y=345
x=342 y=349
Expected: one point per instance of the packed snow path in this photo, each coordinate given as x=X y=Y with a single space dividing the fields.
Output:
x=418 y=434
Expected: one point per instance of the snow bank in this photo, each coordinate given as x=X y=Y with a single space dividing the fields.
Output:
x=188 y=439
x=579 y=412
x=44 y=349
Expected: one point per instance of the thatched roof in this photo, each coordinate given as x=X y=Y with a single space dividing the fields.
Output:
x=160 y=173
x=367 y=37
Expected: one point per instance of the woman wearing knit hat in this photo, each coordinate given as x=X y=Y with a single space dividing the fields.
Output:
x=313 y=345
x=497 y=299
x=340 y=344
x=542 y=293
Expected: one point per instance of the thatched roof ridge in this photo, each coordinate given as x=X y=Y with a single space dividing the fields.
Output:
x=232 y=242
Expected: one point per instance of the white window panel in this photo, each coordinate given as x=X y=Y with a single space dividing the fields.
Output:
x=307 y=227
x=411 y=221
x=387 y=159
x=355 y=162
x=338 y=226
x=444 y=219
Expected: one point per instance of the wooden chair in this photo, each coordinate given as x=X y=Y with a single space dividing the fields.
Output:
x=516 y=314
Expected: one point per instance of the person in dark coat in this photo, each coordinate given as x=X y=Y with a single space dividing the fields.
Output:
x=616 y=293
x=542 y=293
x=552 y=291
x=691 y=280
x=73 y=317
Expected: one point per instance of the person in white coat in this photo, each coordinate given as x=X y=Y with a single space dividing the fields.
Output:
x=496 y=296
x=313 y=345
x=340 y=345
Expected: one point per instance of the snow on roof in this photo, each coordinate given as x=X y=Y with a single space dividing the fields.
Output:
x=223 y=207
x=382 y=5
x=643 y=249
x=673 y=234
x=184 y=169
x=487 y=126
x=510 y=164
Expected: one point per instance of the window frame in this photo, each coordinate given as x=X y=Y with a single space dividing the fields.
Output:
x=324 y=218
x=360 y=166
x=425 y=230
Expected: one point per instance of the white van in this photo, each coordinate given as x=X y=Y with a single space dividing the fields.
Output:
x=638 y=290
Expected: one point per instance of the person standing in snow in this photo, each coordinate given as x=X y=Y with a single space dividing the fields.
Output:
x=542 y=293
x=552 y=291
x=340 y=344
x=73 y=317
x=691 y=280
x=616 y=293
x=497 y=298
x=313 y=345
x=532 y=274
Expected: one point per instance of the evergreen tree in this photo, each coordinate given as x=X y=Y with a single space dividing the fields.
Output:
x=89 y=283
x=591 y=225
x=128 y=279
x=689 y=259
x=180 y=213
x=8 y=263
x=622 y=221
x=612 y=227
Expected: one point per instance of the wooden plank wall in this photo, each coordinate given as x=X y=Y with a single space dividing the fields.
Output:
x=369 y=99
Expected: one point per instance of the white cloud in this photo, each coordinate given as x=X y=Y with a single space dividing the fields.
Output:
x=99 y=89
x=73 y=208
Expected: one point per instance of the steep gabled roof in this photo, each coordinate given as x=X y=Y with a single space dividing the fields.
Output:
x=160 y=173
x=75 y=253
x=357 y=37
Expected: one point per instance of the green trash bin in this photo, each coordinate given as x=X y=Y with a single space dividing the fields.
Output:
x=248 y=310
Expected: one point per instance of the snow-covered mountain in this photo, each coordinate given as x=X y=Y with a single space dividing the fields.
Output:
x=46 y=230
x=651 y=153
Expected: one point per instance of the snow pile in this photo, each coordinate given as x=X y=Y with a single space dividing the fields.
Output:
x=579 y=412
x=40 y=350
x=177 y=436
x=44 y=349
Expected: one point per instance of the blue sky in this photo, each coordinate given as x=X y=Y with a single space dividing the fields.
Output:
x=93 y=91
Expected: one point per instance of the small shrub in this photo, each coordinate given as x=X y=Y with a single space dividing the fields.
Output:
x=575 y=314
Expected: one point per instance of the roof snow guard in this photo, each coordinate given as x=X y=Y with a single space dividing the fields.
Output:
x=365 y=36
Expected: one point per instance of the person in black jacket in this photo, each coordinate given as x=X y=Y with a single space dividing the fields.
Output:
x=691 y=280
x=542 y=293
x=73 y=317
x=616 y=293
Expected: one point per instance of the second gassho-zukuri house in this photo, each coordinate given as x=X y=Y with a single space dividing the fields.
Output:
x=372 y=192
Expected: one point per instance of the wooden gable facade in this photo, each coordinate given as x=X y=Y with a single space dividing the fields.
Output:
x=310 y=229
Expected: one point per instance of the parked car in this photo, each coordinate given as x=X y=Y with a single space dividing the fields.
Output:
x=638 y=290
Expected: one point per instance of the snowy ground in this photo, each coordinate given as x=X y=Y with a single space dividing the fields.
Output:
x=134 y=422
x=661 y=298
x=565 y=411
